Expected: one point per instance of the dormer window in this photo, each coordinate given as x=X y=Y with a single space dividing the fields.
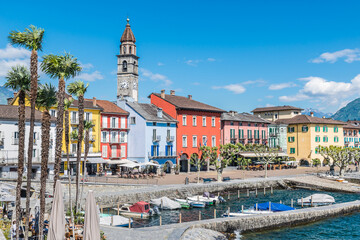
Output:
x=124 y=66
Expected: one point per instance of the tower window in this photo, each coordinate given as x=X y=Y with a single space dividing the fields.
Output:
x=124 y=66
x=124 y=50
x=130 y=50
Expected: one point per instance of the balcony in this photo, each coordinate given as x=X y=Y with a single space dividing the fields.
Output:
x=233 y=137
x=92 y=138
x=170 y=138
x=272 y=134
x=156 y=138
x=74 y=121
x=15 y=141
x=162 y=154
x=114 y=141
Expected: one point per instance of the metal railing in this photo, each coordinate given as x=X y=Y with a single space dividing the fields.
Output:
x=170 y=138
x=156 y=138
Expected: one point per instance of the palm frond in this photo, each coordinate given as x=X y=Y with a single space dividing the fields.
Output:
x=88 y=125
x=46 y=97
x=67 y=103
x=31 y=38
x=77 y=88
x=60 y=66
x=18 y=79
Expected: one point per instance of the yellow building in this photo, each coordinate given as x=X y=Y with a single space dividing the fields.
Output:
x=277 y=112
x=305 y=133
x=91 y=113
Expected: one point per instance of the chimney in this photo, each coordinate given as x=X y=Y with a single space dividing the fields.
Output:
x=190 y=97
x=162 y=94
x=159 y=112
x=172 y=92
x=94 y=101
x=232 y=113
x=311 y=114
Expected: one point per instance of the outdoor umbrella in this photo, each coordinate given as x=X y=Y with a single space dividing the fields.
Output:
x=92 y=219
x=57 y=217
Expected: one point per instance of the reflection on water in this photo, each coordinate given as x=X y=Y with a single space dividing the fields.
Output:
x=285 y=196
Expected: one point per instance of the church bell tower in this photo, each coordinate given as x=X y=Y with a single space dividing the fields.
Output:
x=127 y=71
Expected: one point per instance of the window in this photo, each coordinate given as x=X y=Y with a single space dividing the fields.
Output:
x=336 y=139
x=123 y=151
x=194 y=120
x=263 y=134
x=184 y=141
x=194 y=141
x=255 y=124
x=113 y=151
x=256 y=134
x=232 y=133
x=104 y=122
x=123 y=122
x=305 y=128
x=213 y=141
x=184 y=120
x=276 y=116
x=240 y=123
x=124 y=50
x=291 y=139
x=74 y=118
x=204 y=121
x=354 y=132
x=104 y=137
x=130 y=50
x=249 y=133
x=104 y=152
x=317 y=139
x=132 y=120
x=213 y=122
x=34 y=153
x=291 y=129
x=336 y=129
x=241 y=133
x=325 y=129
x=123 y=137
x=231 y=123
x=87 y=117
x=325 y=139
x=53 y=113
x=114 y=122
x=154 y=150
x=154 y=124
x=292 y=150
x=74 y=147
x=317 y=128
x=249 y=124
x=204 y=140
x=154 y=134
x=114 y=137
x=124 y=66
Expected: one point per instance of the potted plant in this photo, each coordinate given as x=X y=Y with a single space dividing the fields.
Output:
x=177 y=169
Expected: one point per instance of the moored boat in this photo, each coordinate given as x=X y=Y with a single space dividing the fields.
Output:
x=138 y=210
x=261 y=208
x=115 y=220
x=184 y=203
x=316 y=200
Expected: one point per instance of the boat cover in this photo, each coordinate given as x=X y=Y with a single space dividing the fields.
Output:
x=117 y=220
x=318 y=198
x=167 y=203
x=275 y=207
x=141 y=207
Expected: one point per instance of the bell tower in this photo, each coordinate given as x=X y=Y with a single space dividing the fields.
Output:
x=127 y=70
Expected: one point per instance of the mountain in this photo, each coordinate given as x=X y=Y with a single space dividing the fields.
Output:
x=4 y=94
x=350 y=112
x=316 y=112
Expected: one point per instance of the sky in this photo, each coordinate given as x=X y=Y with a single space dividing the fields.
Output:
x=235 y=55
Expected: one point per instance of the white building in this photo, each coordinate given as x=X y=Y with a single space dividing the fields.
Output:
x=9 y=142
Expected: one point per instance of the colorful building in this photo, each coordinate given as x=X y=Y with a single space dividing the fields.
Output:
x=352 y=134
x=198 y=124
x=305 y=133
x=152 y=135
x=278 y=136
x=277 y=112
x=243 y=128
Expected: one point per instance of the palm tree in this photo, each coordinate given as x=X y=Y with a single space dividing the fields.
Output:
x=67 y=104
x=18 y=79
x=61 y=67
x=78 y=88
x=87 y=126
x=31 y=39
x=45 y=100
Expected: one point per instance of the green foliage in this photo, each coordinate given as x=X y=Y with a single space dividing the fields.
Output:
x=74 y=134
x=77 y=88
x=339 y=156
x=31 y=38
x=88 y=125
x=316 y=162
x=67 y=103
x=60 y=66
x=18 y=79
x=46 y=96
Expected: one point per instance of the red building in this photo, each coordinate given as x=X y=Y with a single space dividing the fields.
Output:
x=114 y=131
x=198 y=124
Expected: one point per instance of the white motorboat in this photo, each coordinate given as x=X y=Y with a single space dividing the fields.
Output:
x=165 y=203
x=246 y=212
x=317 y=200
x=115 y=220
x=196 y=204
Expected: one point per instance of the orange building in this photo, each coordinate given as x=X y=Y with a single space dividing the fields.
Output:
x=198 y=124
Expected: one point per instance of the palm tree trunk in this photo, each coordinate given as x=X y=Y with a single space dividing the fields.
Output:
x=21 y=155
x=78 y=154
x=45 y=142
x=68 y=164
x=59 y=129
x=87 y=139
x=34 y=86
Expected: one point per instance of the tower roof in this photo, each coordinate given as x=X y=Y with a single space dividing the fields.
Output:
x=128 y=35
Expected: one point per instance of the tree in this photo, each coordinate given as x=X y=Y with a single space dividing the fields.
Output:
x=211 y=153
x=266 y=154
x=198 y=162
x=356 y=157
x=61 y=67
x=45 y=100
x=67 y=104
x=31 y=39
x=78 y=88
x=18 y=79
x=339 y=156
x=87 y=126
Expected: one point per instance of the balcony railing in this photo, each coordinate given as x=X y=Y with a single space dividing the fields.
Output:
x=162 y=154
x=170 y=138
x=156 y=138
x=272 y=134
x=74 y=120
x=15 y=141
x=114 y=140
x=233 y=136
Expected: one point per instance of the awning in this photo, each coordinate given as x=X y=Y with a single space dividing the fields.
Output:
x=130 y=165
x=251 y=154
x=120 y=162
x=150 y=164
x=97 y=160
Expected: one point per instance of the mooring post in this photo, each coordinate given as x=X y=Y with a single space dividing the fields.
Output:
x=112 y=220
x=271 y=189
x=311 y=201
x=160 y=220
x=242 y=208
x=228 y=211
x=269 y=206
x=129 y=222
x=102 y=210
x=199 y=215
x=256 y=192
x=248 y=193
x=118 y=209
x=228 y=195
x=179 y=217
x=292 y=203
x=264 y=191
x=302 y=202
x=161 y=206
x=238 y=194
x=215 y=213
x=256 y=206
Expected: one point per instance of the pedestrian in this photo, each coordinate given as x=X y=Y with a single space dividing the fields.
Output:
x=13 y=229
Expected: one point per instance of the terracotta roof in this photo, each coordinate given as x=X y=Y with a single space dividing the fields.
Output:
x=351 y=125
x=10 y=112
x=110 y=107
x=88 y=104
x=308 y=119
x=242 y=117
x=276 y=108
x=186 y=103
x=128 y=35
x=149 y=112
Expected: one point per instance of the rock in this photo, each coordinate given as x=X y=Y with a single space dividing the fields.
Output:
x=202 y=234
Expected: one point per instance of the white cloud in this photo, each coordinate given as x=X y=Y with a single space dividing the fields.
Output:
x=349 y=56
x=281 y=86
x=211 y=59
x=90 y=77
x=86 y=66
x=235 y=88
x=317 y=89
x=156 y=77
x=269 y=105
x=193 y=63
x=196 y=83
x=160 y=64
x=11 y=52
x=259 y=82
x=5 y=65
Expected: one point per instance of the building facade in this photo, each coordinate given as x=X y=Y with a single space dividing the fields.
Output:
x=9 y=142
x=278 y=136
x=198 y=124
x=352 y=134
x=152 y=135
x=277 y=112
x=243 y=128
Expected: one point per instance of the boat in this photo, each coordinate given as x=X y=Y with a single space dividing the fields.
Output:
x=165 y=203
x=246 y=212
x=138 y=210
x=199 y=198
x=184 y=203
x=317 y=199
x=115 y=220
x=196 y=204
x=262 y=208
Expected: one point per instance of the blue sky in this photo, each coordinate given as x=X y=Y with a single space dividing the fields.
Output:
x=236 y=55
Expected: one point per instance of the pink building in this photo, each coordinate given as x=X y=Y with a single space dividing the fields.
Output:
x=243 y=128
